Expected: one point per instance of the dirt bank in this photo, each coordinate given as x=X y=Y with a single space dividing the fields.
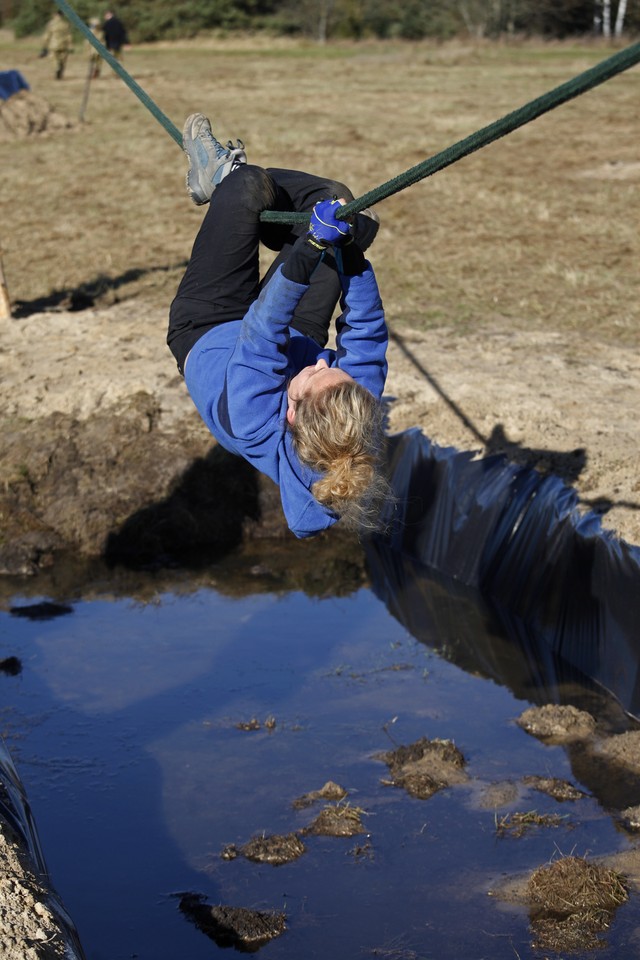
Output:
x=103 y=449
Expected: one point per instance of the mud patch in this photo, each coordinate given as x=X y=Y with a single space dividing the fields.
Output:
x=237 y=927
x=559 y=790
x=276 y=849
x=330 y=791
x=337 y=821
x=425 y=767
x=10 y=666
x=556 y=723
x=25 y=115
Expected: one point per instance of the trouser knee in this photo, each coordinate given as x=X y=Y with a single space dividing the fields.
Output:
x=258 y=191
x=339 y=190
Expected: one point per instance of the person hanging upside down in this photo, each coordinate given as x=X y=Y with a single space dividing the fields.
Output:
x=254 y=352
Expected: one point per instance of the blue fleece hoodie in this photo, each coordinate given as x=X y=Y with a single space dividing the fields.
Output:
x=237 y=374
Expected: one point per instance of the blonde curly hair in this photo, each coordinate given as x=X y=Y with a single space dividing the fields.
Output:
x=339 y=433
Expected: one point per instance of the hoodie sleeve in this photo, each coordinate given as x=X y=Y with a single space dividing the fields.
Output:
x=250 y=403
x=361 y=343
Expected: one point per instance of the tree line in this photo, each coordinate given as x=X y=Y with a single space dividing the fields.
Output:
x=322 y=20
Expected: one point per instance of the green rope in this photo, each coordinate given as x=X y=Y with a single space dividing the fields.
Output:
x=603 y=71
x=530 y=111
x=71 y=15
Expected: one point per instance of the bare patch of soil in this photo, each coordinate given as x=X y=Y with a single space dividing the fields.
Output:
x=425 y=767
x=560 y=790
x=557 y=723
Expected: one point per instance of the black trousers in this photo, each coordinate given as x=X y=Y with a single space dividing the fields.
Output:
x=222 y=279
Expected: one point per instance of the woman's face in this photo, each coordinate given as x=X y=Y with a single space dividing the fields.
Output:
x=310 y=381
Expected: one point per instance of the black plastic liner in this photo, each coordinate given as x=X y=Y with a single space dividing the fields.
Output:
x=517 y=537
x=16 y=812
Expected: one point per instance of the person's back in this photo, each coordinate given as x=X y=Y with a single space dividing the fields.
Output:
x=115 y=35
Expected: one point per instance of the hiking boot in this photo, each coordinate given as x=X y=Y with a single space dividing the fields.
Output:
x=209 y=161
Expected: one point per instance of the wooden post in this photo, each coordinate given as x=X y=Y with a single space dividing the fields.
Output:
x=5 y=303
x=85 y=93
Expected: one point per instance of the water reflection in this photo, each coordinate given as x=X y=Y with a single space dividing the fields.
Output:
x=476 y=635
x=125 y=725
x=482 y=639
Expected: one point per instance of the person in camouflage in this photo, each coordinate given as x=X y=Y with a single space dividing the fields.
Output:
x=95 y=60
x=58 y=41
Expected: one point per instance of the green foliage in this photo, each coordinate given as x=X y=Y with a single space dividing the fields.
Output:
x=155 y=19
x=559 y=20
x=381 y=17
x=32 y=16
x=149 y=20
x=421 y=18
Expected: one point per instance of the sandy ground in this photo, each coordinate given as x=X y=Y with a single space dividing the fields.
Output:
x=28 y=929
x=554 y=400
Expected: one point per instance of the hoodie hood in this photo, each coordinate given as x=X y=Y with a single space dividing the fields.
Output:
x=304 y=515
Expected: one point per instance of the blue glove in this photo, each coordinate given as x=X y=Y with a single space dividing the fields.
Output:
x=324 y=228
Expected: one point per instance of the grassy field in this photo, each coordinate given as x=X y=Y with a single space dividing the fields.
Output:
x=540 y=229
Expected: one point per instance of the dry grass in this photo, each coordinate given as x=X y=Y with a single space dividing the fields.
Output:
x=337 y=820
x=538 y=229
x=572 y=902
x=518 y=824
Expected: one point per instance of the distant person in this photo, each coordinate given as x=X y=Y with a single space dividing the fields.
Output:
x=115 y=35
x=58 y=41
x=95 y=60
x=254 y=352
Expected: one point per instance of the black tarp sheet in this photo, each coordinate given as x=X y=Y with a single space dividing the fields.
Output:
x=563 y=586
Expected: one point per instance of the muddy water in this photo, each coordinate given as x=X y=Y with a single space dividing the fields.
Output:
x=151 y=736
